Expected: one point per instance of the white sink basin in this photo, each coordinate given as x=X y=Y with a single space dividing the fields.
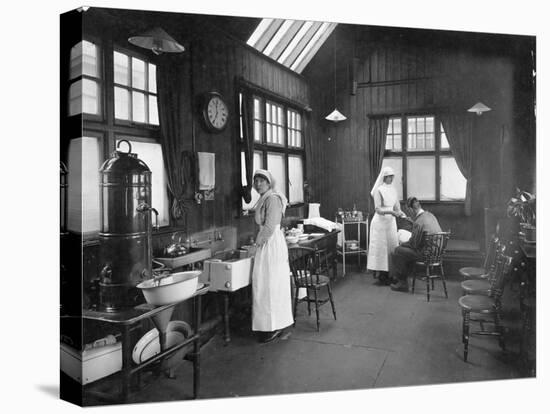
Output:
x=229 y=273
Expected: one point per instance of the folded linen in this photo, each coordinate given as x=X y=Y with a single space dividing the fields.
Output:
x=321 y=222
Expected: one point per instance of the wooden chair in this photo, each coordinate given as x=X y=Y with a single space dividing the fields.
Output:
x=482 y=285
x=488 y=308
x=432 y=258
x=488 y=264
x=305 y=267
x=478 y=286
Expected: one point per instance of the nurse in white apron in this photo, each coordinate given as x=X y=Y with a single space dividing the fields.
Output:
x=383 y=227
x=271 y=292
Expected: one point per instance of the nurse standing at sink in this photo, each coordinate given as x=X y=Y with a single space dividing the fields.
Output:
x=271 y=297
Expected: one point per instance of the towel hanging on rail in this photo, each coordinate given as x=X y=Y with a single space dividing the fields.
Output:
x=207 y=170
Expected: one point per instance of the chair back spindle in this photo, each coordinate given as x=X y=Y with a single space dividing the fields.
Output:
x=434 y=247
x=490 y=258
x=503 y=267
x=304 y=266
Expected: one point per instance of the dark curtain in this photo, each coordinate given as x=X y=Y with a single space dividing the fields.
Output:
x=172 y=93
x=248 y=139
x=458 y=128
x=378 y=128
x=311 y=182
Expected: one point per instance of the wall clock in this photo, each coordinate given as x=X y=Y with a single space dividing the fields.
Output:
x=215 y=112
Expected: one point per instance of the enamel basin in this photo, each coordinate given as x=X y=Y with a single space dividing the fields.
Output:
x=170 y=289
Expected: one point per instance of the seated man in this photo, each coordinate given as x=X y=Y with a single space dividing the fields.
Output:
x=407 y=253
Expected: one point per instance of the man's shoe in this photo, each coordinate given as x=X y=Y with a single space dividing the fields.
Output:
x=270 y=336
x=383 y=279
x=399 y=287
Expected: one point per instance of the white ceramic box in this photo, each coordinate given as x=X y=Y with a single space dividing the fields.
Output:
x=91 y=364
x=227 y=275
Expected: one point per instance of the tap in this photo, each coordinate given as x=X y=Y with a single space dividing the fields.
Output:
x=154 y=210
x=144 y=207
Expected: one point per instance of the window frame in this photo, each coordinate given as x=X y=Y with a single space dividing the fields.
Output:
x=100 y=80
x=106 y=127
x=130 y=121
x=101 y=136
x=147 y=140
x=248 y=96
x=438 y=152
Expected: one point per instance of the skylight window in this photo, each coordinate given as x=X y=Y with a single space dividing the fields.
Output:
x=260 y=30
x=311 y=48
x=293 y=43
x=277 y=38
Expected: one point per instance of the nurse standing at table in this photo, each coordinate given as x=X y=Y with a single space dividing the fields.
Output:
x=271 y=291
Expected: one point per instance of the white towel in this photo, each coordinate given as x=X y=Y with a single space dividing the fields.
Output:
x=314 y=210
x=207 y=170
x=321 y=222
x=403 y=236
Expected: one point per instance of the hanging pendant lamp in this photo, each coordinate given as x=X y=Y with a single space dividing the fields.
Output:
x=336 y=115
x=158 y=41
x=479 y=108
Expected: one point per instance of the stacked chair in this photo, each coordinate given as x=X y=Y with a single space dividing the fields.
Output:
x=489 y=263
x=478 y=279
x=486 y=305
x=305 y=265
x=433 y=249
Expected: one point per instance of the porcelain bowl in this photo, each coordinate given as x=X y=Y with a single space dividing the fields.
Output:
x=171 y=289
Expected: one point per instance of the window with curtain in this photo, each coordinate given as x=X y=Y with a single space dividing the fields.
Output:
x=277 y=132
x=135 y=88
x=85 y=79
x=134 y=117
x=418 y=151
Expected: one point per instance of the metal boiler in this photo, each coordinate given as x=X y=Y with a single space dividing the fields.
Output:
x=125 y=229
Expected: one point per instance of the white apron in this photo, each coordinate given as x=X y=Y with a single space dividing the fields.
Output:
x=271 y=297
x=383 y=232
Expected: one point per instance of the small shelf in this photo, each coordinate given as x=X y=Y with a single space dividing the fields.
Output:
x=195 y=255
x=348 y=252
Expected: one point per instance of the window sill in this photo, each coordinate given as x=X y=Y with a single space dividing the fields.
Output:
x=92 y=238
x=432 y=202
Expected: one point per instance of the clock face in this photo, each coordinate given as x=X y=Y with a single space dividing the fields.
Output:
x=217 y=113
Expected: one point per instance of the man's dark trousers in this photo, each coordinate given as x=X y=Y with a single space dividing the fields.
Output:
x=401 y=262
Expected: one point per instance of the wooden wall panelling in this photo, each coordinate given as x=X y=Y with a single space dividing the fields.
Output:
x=437 y=75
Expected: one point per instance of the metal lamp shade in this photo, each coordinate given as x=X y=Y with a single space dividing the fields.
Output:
x=335 y=116
x=158 y=41
x=479 y=108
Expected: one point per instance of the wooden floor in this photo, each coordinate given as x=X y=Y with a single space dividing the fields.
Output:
x=381 y=339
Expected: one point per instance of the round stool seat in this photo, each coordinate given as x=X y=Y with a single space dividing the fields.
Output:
x=308 y=281
x=477 y=303
x=473 y=272
x=476 y=287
